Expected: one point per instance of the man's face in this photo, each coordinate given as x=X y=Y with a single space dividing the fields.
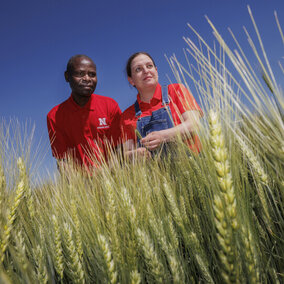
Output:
x=83 y=77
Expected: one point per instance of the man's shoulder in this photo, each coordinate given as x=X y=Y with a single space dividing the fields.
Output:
x=103 y=103
x=58 y=108
x=103 y=100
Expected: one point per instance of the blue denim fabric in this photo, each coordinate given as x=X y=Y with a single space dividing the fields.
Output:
x=159 y=120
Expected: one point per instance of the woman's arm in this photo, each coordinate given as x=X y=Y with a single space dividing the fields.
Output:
x=131 y=151
x=190 y=124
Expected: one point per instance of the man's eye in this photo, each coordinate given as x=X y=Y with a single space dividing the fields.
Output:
x=92 y=75
x=79 y=74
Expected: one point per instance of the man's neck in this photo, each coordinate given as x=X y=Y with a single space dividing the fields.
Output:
x=80 y=100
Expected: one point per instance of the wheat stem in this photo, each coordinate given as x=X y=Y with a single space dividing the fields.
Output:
x=109 y=262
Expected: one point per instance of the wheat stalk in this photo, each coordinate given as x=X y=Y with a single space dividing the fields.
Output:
x=225 y=208
x=59 y=263
x=151 y=258
x=110 y=265
x=76 y=221
x=74 y=263
x=251 y=260
x=135 y=277
x=42 y=275
x=13 y=213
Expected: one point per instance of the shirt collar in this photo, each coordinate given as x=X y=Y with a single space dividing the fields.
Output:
x=157 y=97
x=88 y=106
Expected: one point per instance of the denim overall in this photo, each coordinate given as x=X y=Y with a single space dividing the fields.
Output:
x=159 y=120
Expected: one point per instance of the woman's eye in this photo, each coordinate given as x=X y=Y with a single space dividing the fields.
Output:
x=150 y=66
x=138 y=69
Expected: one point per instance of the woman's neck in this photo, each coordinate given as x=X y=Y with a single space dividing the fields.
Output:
x=147 y=95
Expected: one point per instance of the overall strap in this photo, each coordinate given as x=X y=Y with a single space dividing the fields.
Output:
x=137 y=109
x=165 y=95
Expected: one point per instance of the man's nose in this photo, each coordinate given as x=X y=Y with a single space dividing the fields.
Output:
x=86 y=77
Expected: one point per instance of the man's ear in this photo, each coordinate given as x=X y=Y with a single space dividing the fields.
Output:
x=66 y=75
x=130 y=81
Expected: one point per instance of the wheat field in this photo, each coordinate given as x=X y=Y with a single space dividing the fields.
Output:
x=217 y=217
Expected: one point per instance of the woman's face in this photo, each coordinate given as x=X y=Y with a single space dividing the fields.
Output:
x=144 y=73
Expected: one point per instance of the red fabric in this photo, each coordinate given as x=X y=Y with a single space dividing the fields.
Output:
x=181 y=100
x=82 y=131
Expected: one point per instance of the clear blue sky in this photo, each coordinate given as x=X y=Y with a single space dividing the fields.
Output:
x=39 y=36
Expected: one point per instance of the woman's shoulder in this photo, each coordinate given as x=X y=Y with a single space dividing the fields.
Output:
x=177 y=87
x=179 y=90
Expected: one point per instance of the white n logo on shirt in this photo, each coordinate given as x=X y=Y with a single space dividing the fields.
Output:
x=102 y=121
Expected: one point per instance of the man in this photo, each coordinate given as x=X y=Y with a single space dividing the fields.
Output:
x=85 y=125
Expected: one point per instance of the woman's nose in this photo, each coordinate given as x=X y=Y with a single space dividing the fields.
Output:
x=145 y=69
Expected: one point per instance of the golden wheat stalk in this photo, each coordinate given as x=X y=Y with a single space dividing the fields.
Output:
x=21 y=251
x=224 y=207
x=157 y=227
x=74 y=264
x=261 y=175
x=153 y=263
x=109 y=262
x=29 y=193
x=59 y=263
x=42 y=275
x=254 y=162
x=4 y=278
x=13 y=213
x=2 y=181
x=2 y=193
x=111 y=215
x=135 y=277
x=251 y=260
x=76 y=221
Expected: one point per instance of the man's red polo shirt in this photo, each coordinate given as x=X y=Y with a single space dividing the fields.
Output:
x=181 y=100
x=82 y=131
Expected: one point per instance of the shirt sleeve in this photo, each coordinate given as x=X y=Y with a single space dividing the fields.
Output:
x=115 y=130
x=57 y=141
x=128 y=127
x=183 y=99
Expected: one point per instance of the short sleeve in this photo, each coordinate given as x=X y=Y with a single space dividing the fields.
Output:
x=183 y=99
x=115 y=132
x=128 y=125
x=56 y=137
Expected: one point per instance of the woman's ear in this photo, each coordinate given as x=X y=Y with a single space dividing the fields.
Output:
x=130 y=81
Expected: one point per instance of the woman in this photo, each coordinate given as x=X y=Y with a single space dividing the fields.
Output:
x=159 y=114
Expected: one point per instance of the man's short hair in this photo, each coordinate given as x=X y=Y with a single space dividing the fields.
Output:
x=71 y=61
